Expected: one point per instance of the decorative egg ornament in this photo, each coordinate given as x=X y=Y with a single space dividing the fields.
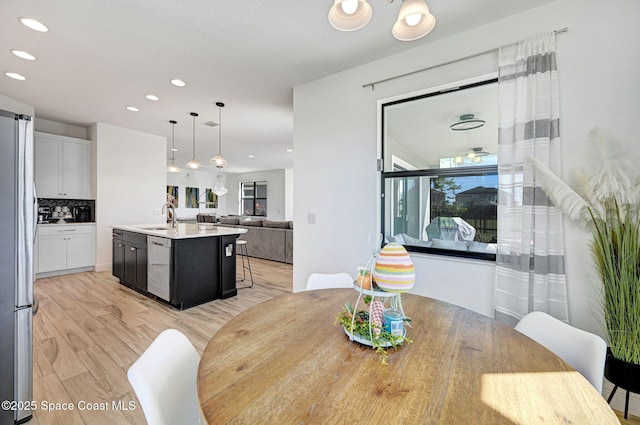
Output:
x=377 y=316
x=394 y=271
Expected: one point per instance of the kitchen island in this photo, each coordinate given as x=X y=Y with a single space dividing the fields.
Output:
x=185 y=266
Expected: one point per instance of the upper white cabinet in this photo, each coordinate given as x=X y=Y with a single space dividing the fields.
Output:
x=62 y=167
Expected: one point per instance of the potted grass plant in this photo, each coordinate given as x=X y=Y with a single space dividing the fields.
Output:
x=607 y=203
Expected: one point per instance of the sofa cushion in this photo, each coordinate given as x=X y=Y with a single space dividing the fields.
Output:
x=275 y=224
x=252 y=223
x=229 y=220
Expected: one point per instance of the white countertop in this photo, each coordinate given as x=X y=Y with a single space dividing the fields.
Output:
x=68 y=223
x=182 y=230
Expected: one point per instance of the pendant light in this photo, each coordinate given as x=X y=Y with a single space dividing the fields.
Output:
x=219 y=160
x=173 y=168
x=349 y=15
x=414 y=21
x=219 y=188
x=194 y=164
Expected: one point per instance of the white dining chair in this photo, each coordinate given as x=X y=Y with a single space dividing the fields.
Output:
x=329 y=280
x=584 y=351
x=164 y=380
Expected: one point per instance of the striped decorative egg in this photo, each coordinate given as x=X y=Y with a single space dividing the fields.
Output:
x=394 y=271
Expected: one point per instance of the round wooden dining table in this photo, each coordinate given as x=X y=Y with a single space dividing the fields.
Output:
x=285 y=362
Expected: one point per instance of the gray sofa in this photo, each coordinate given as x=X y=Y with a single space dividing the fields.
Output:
x=268 y=239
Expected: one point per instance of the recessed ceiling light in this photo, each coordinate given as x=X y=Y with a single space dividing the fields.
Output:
x=178 y=83
x=23 y=55
x=132 y=109
x=252 y=156
x=152 y=97
x=289 y=150
x=174 y=149
x=15 y=76
x=33 y=24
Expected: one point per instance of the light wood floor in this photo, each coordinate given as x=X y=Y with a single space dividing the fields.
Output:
x=90 y=329
x=632 y=420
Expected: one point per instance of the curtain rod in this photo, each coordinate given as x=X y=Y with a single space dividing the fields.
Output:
x=372 y=85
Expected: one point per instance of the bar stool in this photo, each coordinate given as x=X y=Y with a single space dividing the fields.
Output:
x=241 y=249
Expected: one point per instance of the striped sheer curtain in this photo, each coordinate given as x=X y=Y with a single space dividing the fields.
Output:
x=530 y=259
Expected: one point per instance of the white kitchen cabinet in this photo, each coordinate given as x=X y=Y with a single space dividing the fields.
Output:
x=62 y=167
x=64 y=248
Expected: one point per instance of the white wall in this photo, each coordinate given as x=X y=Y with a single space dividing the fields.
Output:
x=288 y=194
x=53 y=127
x=276 y=204
x=12 y=105
x=598 y=87
x=195 y=178
x=129 y=182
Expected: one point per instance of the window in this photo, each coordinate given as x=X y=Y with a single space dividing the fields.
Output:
x=254 y=198
x=440 y=186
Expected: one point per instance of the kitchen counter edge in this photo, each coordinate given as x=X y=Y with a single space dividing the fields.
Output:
x=182 y=230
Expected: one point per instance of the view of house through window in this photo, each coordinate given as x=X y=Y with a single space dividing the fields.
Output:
x=253 y=198
x=440 y=180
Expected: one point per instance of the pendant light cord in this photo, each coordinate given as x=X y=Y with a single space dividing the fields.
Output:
x=194 y=115
x=173 y=141
x=220 y=105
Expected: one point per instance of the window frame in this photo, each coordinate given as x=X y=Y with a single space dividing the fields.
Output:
x=254 y=198
x=440 y=172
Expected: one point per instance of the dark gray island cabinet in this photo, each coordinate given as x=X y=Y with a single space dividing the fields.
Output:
x=184 y=266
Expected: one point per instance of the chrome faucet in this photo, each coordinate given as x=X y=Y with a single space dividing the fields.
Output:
x=169 y=206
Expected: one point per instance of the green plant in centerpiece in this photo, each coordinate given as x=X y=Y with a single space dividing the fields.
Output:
x=609 y=205
x=360 y=327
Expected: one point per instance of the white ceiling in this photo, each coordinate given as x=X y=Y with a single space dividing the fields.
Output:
x=102 y=56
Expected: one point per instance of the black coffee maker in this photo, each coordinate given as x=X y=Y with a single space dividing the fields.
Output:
x=82 y=214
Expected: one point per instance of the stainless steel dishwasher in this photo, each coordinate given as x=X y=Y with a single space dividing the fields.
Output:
x=158 y=266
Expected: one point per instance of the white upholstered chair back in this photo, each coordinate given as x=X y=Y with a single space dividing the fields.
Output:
x=584 y=351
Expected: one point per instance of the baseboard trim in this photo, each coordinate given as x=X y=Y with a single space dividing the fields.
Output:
x=105 y=267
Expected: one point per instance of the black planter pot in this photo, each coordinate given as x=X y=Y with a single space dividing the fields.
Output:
x=622 y=374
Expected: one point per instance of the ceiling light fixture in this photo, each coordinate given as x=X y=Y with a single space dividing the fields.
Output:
x=219 y=160
x=15 y=76
x=194 y=164
x=152 y=97
x=467 y=122
x=173 y=168
x=133 y=109
x=23 y=55
x=476 y=154
x=219 y=188
x=178 y=83
x=414 y=19
x=349 y=15
x=33 y=24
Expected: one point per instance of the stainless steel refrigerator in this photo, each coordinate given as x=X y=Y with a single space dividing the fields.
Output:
x=17 y=234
